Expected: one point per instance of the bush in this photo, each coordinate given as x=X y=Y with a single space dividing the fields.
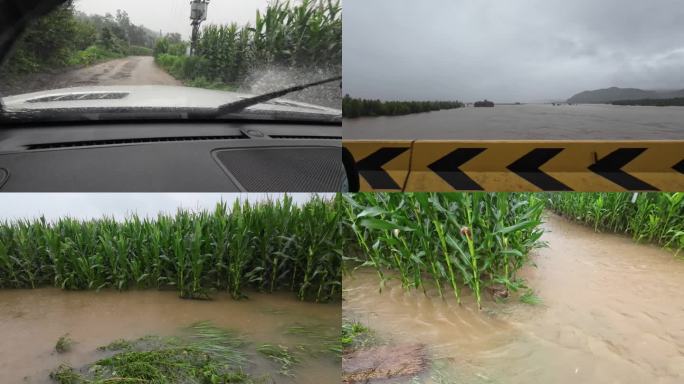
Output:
x=92 y=55
x=135 y=50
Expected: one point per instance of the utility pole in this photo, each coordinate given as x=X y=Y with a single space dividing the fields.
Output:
x=198 y=13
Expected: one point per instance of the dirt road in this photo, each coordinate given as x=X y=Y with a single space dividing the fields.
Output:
x=132 y=70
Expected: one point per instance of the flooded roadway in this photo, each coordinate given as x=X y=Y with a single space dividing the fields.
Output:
x=526 y=122
x=612 y=312
x=31 y=321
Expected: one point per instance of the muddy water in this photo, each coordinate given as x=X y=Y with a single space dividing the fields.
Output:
x=526 y=122
x=31 y=321
x=612 y=312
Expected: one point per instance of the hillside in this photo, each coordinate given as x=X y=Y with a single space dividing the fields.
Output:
x=609 y=95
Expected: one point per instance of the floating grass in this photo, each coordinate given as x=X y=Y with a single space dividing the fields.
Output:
x=64 y=344
x=451 y=239
x=647 y=217
x=281 y=355
x=204 y=354
x=267 y=246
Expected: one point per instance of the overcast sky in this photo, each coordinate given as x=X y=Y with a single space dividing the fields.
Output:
x=119 y=205
x=174 y=15
x=507 y=51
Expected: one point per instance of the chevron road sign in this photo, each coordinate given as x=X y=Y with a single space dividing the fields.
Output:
x=586 y=166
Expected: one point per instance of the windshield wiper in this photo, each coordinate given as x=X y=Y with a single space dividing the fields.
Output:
x=240 y=105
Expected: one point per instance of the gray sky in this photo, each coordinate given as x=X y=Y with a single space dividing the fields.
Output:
x=507 y=51
x=174 y=15
x=120 y=205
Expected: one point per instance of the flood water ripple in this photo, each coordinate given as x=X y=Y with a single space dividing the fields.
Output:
x=612 y=312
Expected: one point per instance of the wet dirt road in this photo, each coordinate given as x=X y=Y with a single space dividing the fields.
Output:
x=131 y=70
x=612 y=312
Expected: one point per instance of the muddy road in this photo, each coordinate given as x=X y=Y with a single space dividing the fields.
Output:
x=612 y=312
x=132 y=70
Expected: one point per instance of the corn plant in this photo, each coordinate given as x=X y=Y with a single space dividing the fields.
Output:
x=648 y=217
x=266 y=246
x=306 y=34
x=452 y=239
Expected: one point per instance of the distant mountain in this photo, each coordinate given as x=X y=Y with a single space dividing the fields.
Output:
x=616 y=94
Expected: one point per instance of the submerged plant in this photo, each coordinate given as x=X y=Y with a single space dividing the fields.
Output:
x=281 y=355
x=64 y=344
x=355 y=335
x=205 y=354
x=266 y=246
x=651 y=217
x=451 y=239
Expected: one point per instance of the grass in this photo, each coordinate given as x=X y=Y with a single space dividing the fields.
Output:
x=320 y=339
x=647 y=217
x=530 y=298
x=355 y=335
x=451 y=240
x=64 y=344
x=268 y=246
x=281 y=355
x=205 y=354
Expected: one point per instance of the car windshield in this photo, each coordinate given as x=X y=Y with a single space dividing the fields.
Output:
x=175 y=56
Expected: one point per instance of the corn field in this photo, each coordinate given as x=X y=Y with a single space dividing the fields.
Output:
x=306 y=34
x=452 y=239
x=650 y=217
x=267 y=246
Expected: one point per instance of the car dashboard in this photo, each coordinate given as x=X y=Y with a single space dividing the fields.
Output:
x=132 y=156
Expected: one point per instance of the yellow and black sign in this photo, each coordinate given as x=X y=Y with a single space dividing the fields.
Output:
x=586 y=166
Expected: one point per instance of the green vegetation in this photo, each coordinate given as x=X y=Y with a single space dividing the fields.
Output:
x=651 y=217
x=453 y=239
x=362 y=107
x=207 y=354
x=281 y=355
x=306 y=34
x=356 y=335
x=66 y=38
x=674 y=102
x=64 y=344
x=267 y=246
x=529 y=297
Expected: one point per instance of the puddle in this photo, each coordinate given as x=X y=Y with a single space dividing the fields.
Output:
x=612 y=312
x=31 y=321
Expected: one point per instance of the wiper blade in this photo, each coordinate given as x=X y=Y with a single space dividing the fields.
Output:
x=240 y=105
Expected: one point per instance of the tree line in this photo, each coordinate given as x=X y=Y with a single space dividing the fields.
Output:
x=307 y=34
x=674 y=102
x=66 y=37
x=352 y=107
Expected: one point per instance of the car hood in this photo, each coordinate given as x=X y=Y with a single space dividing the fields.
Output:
x=156 y=97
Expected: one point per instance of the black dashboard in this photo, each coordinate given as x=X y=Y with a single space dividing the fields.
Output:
x=174 y=156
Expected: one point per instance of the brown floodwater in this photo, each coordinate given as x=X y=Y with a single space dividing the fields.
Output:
x=525 y=122
x=31 y=321
x=612 y=312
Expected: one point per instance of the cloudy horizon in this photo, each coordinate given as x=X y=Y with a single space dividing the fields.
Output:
x=528 y=50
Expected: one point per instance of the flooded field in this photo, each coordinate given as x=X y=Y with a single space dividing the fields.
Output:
x=526 y=122
x=31 y=321
x=612 y=312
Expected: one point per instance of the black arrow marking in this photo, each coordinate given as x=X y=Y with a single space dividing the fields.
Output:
x=611 y=165
x=679 y=167
x=370 y=168
x=528 y=166
x=448 y=168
